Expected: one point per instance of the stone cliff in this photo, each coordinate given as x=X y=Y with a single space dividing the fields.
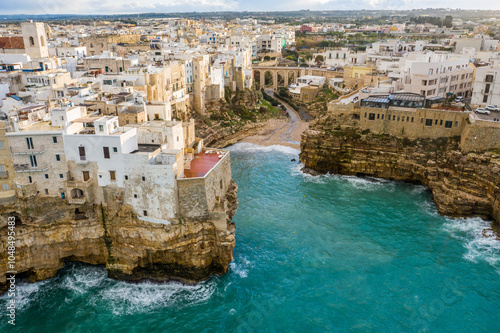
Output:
x=240 y=114
x=50 y=232
x=462 y=184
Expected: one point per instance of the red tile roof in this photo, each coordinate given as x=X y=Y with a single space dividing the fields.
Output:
x=11 y=43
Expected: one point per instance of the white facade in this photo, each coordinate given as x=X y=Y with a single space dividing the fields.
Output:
x=486 y=89
x=434 y=75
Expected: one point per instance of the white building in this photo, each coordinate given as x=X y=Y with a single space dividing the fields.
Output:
x=486 y=90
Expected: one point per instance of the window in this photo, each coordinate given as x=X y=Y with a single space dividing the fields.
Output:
x=2 y=146
x=421 y=120
x=365 y=114
x=487 y=88
x=54 y=139
x=112 y=175
x=411 y=119
x=46 y=191
x=378 y=115
x=394 y=117
x=485 y=98
x=448 y=124
x=33 y=161
x=29 y=143
x=115 y=149
x=441 y=122
x=126 y=177
x=489 y=78
x=106 y=152
x=428 y=122
x=371 y=116
x=46 y=176
x=221 y=183
x=61 y=176
x=30 y=180
x=81 y=152
x=5 y=187
x=101 y=128
x=58 y=157
x=382 y=116
x=436 y=122
x=32 y=41
x=143 y=178
x=456 y=123
x=135 y=196
x=145 y=212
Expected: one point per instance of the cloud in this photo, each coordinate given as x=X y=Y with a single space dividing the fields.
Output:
x=38 y=7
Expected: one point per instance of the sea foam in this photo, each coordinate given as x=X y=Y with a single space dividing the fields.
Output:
x=477 y=237
x=251 y=147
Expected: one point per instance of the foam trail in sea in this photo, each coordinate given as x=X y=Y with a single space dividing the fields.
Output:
x=478 y=238
x=127 y=298
x=364 y=183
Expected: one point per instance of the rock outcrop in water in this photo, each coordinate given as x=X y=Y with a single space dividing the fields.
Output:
x=462 y=184
x=50 y=232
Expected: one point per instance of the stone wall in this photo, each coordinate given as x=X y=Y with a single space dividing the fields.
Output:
x=405 y=122
x=480 y=136
x=198 y=197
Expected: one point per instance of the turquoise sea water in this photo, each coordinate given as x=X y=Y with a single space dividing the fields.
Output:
x=313 y=254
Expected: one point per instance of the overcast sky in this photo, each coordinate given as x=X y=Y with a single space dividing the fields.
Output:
x=144 y=6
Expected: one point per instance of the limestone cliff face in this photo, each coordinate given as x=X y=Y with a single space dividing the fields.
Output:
x=229 y=120
x=462 y=184
x=49 y=232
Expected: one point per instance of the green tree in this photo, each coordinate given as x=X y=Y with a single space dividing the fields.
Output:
x=448 y=21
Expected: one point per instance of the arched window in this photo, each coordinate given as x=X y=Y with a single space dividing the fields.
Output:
x=42 y=42
x=32 y=41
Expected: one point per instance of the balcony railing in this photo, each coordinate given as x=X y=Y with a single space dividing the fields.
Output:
x=38 y=149
x=30 y=168
x=77 y=201
x=78 y=183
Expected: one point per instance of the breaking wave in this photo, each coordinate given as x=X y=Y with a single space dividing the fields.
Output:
x=477 y=237
x=251 y=147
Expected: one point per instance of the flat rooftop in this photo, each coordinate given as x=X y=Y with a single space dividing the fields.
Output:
x=145 y=148
x=42 y=126
x=203 y=162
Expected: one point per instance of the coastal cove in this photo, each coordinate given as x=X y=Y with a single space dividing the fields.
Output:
x=316 y=253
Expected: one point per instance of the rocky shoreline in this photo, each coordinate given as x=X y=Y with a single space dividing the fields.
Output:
x=462 y=184
x=50 y=232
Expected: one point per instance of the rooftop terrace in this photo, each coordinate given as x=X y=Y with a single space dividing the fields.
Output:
x=203 y=162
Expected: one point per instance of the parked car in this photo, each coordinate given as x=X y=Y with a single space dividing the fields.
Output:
x=492 y=108
x=459 y=99
x=483 y=111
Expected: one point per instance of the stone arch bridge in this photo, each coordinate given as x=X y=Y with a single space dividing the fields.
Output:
x=288 y=73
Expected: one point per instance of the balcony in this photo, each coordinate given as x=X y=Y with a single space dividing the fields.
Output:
x=78 y=183
x=29 y=168
x=77 y=201
x=4 y=174
x=39 y=149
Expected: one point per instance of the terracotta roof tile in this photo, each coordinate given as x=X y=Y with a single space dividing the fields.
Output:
x=11 y=43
